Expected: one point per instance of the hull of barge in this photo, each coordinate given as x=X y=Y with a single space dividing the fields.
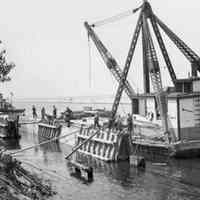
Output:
x=149 y=149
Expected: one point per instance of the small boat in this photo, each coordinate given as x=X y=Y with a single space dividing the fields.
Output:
x=86 y=112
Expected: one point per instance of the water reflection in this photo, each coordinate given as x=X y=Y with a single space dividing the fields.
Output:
x=122 y=173
x=10 y=144
x=53 y=146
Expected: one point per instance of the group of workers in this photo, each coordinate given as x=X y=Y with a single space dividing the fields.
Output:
x=67 y=114
x=117 y=123
x=43 y=112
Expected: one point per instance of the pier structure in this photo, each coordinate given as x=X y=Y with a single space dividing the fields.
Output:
x=106 y=145
x=49 y=131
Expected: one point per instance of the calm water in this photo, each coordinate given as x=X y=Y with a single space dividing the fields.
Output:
x=178 y=179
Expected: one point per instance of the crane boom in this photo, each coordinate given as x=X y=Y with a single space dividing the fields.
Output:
x=186 y=51
x=154 y=71
x=126 y=68
x=163 y=49
x=109 y=60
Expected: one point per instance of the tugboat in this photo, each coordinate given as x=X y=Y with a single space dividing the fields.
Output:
x=166 y=121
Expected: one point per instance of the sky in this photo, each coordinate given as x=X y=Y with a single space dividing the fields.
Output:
x=48 y=43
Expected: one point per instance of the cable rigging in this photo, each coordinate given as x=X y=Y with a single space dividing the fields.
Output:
x=115 y=18
x=90 y=62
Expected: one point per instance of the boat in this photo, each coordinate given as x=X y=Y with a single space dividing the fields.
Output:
x=166 y=120
x=9 y=119
x=86 y=112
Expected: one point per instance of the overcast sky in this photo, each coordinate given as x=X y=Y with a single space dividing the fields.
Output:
x=47 y=41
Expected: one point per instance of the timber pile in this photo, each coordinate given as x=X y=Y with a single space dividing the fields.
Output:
x=18 y=183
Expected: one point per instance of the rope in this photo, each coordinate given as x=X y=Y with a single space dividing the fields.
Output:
x=45 y=142
x=115 y=17
x=90 y=62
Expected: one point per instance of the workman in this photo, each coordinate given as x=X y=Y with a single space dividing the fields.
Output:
x=110 y=123
x=68 y=115
x=130 y=122
x=118 y=123
x=96 y=121
x=168 y=137
x=151 y=116
x=43 y=113
x=54 y=112
x=34 y=112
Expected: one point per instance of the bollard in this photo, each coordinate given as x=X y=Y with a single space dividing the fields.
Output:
x=79 y=168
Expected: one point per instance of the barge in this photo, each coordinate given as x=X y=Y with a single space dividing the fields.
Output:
x=183 y=122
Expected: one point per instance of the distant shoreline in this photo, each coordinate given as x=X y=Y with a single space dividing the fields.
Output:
x=68 y=102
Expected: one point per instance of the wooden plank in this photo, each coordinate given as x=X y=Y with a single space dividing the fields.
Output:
x=47 y=125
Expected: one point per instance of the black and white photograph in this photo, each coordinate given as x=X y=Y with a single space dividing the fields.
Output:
x=99 y=100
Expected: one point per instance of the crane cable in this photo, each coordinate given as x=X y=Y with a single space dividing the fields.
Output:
x=115 y=17
x=90 y=62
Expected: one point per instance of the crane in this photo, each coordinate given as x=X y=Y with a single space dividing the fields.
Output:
x=151 y=61
x=151 y=66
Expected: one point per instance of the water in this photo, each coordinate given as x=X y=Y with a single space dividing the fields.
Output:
x=178 y=179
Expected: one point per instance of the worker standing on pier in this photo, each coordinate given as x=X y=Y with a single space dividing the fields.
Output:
x=54 y=112
x=68 y=115
x=96 y=121
x=130 y=123
x=43 y=113
x=34 y=112
x=119 y=123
